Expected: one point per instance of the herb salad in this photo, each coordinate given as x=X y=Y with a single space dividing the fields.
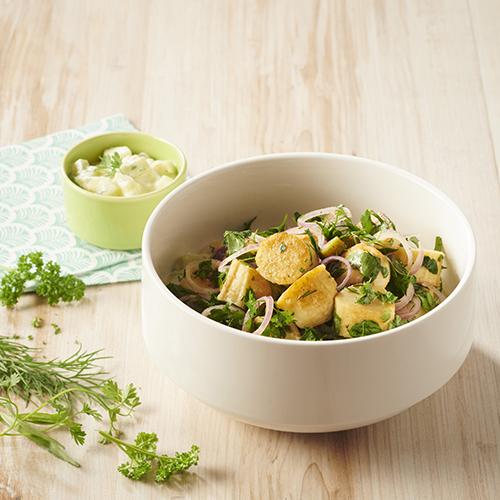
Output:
x=324 y=277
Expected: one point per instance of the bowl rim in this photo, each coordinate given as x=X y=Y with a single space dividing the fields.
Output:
x=122 y=199
x=148 y=266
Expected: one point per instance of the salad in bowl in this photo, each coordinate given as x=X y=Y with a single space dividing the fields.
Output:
x=322 y=276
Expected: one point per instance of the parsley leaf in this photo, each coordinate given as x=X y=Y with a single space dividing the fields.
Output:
x=228 y=317
x=235 y=240
x=366 y=327
x=111 y=163
x=369 y=265
x=438 y=245
x=367 y=295
x=311 y=334
x=425 y=296
x=430 y=264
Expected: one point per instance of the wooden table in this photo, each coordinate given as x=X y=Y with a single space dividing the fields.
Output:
x=412 y=83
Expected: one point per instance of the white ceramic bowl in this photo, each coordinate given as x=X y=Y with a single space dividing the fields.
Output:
x=293 y=385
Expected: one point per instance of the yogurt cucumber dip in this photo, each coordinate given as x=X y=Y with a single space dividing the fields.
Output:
x=121 y=173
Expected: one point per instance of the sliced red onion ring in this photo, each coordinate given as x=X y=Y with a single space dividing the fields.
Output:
x=224 y=264
x=394 y=235
x=313 y=227
x=269 y=301
x=411 y=309
x=190 y=269
x=257 y=238
x=315 y=213
x=208 y=310
x=348 y=265
x=418 y=261
x=406 y=298
x=440 y=295
x=219 y=253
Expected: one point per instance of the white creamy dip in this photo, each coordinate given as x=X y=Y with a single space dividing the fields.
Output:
x=121 y=173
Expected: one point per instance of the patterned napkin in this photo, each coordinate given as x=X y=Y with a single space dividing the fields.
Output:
x=32 y=214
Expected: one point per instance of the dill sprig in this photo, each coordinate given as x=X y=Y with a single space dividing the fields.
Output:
x=39 y=380
x=58 y=392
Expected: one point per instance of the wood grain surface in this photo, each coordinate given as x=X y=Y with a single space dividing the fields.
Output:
x=414 y=83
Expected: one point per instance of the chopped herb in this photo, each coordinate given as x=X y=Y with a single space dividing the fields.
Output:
x=282 y=248
x=367 y=295
x=430 y=264
x=426 y=298
x=397 y=321
x=228 y=317
x=235 y=240
x=306 y=294
x=386 y=316
x=57 y=330
x=279 y=325
x=313 y=241
x=207 y=272
x=400 y=278
x=36 y=322
x=369 y=265
x=111 y=163
x=438 y=245
x=366 y=327
x=311 y=334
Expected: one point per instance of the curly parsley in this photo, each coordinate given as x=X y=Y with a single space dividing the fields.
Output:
x=47 y=275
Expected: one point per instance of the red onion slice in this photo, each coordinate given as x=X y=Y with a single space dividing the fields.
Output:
x=224 y=264
x=440 y=295
x=394 y=235
x=411 y=309
x=315 y=213
x=269 y=301
x=406 y=298
x=418 y=261
x=348 y=272
x=313 y=227
x=208 y=310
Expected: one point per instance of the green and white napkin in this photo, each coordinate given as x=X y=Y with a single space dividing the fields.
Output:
x=32 y=214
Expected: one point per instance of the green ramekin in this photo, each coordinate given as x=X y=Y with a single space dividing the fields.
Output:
x=115 y=222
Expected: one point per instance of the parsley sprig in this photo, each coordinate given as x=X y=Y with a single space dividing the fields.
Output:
x=50 y=282
x=111 y=163
x=142 y=454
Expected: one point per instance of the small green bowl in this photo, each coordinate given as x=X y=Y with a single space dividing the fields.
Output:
x=115 y=222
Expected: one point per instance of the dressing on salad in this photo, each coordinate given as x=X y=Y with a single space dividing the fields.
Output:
x=121 y=173
x=324 y=278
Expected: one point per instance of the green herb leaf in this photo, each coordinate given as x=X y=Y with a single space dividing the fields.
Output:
x=369 y=265
x=430 y=264
x=312 y=335
x=111 y=163
x=235 y=240
x=438 y=245
x=364 y=328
